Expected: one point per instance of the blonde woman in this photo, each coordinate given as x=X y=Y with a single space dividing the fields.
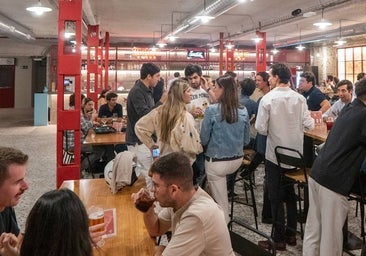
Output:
x=172 y=124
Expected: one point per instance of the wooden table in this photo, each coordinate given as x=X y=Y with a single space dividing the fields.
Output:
x=319 y=133
x=105 y=139
x=132 y=237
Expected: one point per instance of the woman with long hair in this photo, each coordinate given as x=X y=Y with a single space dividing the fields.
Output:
x=224 y=133
x=172 y=124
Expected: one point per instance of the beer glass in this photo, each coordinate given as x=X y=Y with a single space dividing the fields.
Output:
x=96 y=216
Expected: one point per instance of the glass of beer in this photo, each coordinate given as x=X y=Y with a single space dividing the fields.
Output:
x=96 y=216
x=145 y=201
x=329 y=122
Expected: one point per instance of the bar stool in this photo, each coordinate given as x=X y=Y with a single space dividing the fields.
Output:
x=295 y=171
x=246 y=175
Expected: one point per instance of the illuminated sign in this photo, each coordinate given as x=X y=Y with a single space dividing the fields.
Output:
x=193 y=54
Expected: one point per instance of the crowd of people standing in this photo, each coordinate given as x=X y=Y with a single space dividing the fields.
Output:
x=201 y=127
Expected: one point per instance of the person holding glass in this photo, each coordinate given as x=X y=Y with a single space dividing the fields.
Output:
x=224 y=133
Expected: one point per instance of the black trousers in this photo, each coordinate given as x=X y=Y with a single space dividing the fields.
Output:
x=281 y=193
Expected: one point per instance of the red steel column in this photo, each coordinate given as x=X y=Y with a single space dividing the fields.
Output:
x=261 y=57
x=69 y=64
x=230 y=59
x=221 y=55
x=94 y=63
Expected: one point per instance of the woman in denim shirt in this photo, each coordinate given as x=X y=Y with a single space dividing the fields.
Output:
x=224 y=133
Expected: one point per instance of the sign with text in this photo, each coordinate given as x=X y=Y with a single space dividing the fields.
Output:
x=196 y=54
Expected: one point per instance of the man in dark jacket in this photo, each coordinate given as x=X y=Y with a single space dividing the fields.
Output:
x=332 y=176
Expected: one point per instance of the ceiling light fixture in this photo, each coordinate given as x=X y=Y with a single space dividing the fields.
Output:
x=322 y=24
x=275 y=51
x=161 y=44
x=172 y=38
x=340 y=41
x=204 y=17
x=257 y=39
x=300 y=47
x=38 y=8
x=229 y=45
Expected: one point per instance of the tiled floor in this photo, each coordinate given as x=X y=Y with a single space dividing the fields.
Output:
x=17 y=130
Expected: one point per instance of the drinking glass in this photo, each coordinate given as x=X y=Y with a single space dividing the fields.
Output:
x=329 y=122
x=96 y=216
x=115 y=117
x=146 y=200
x=104 y=120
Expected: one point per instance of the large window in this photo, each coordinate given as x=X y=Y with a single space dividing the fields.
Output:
x=351 y=61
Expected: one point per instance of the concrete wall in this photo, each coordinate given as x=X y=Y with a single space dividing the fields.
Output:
x=23 y=83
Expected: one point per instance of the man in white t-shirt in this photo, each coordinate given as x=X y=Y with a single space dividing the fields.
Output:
x=201 y=97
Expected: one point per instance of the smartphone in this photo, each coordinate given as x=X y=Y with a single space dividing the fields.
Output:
x=155 y=152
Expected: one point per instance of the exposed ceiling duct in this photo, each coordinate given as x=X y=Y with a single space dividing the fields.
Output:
x=213 y=8
x=13 y=29
x=269 y=24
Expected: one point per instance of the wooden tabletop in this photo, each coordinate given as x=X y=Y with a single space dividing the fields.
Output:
x=319 y=132
x=105 y=139
x=132 y=237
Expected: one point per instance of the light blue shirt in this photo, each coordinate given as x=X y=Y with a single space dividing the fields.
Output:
x=334 y=110
x=222 y=139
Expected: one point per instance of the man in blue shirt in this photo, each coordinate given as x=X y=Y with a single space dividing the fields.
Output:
x=111 y=106
x=315 y=99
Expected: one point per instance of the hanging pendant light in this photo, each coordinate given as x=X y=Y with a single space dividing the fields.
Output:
x=204 y=17
x=340 y=41
x=322 y=24
x=300 y=47
x=38 y=8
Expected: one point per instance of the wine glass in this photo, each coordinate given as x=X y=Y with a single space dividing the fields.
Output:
x=104 y=120
x=115 y=117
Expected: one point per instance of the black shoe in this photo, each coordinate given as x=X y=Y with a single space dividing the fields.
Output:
x=232 y=194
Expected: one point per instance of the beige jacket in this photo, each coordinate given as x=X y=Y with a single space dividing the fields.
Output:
x=184 y=137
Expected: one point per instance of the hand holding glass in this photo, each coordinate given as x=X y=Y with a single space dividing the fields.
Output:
x=96 y=216
x=144 y=199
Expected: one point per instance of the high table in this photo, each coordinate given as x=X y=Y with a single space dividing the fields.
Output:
x=132 y=238
x=319 y=133
x=312 y=137
x=105 y=139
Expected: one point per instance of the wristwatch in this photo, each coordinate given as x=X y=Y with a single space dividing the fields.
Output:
x=209 y=88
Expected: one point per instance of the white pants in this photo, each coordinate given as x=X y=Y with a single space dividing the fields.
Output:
x=144 y=160
x=326 y=216
x=216 y=177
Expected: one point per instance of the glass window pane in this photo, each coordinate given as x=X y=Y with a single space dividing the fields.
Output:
x=357 y=53
x=341 y=53
x=349 y=54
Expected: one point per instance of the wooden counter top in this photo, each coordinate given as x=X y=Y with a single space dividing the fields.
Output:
x=132 y=237
x=319 y=132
